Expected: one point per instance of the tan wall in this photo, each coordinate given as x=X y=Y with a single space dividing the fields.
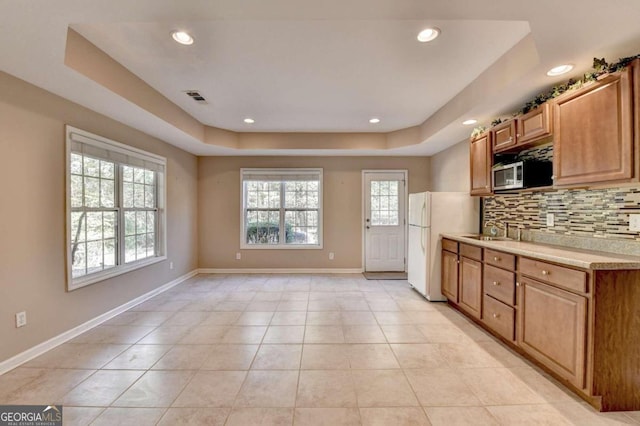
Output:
x=450 y=169
x=219 y=209
x=32 y=217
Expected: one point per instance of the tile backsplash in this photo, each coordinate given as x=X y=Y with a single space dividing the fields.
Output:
x=595 y=213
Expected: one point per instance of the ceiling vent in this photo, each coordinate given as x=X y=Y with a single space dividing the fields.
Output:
x=196 y=96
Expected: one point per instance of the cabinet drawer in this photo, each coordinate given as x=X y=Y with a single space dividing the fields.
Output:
x=499 y=317
x=502 y=260
x=450 y=245
x=500 y=284
x=570 y=279
x=472 y=252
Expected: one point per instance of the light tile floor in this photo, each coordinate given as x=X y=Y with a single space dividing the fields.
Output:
x=294 y=349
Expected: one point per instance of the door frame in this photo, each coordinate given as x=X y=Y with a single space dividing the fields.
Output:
x=363 y=218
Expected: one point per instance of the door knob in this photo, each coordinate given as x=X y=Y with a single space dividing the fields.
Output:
x=367 y=219
x=368 y=226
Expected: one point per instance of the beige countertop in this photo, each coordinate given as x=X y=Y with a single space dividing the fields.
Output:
x=580 y=258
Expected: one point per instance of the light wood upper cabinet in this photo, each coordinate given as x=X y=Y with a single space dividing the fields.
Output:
x=593 y=132
x=481 y=160
x=470 y=295
x=553 y=328
x=534 y=125
x=450 y=275
x=504 y=136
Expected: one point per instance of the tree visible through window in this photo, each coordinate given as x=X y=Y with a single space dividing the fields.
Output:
x=282 y=208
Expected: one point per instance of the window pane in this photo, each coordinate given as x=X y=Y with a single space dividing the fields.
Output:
x=78 y=226
x=91 y=167
x=107 y=170
x=375 y=188
x=94 y=256
x=149 y=177
x=76 y=191
x=107 y=193
x=149 y=196
x=130 y=249
x=76 y=164
x=138 y=195
x=141 y=246
x=127 y=173
x=141 y=222
x=91 y=192
x=127 y=195
x=78 y=260
x=138 y=175
x=151 y=221
x=109 y=224
x=109 y=253
x=151 y=242
x=94 y=226
x=129 y=223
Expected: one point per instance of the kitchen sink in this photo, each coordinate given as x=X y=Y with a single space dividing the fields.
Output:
x=487 y=238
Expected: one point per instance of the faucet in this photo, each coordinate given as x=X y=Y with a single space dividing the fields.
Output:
x=494 y=227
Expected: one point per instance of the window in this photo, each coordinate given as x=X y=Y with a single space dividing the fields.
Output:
x=281 y=208
x=384 y=203
x=115 y=208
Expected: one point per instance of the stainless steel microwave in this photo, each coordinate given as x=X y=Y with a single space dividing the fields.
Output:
x=522 y=174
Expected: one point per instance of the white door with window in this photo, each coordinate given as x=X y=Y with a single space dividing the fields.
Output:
x=384 y=220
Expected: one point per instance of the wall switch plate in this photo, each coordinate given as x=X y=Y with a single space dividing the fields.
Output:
x=634 y=222
x=238 y=256
x=170 y=265
x=331 y=256
x=550 y=220
x=21 y=319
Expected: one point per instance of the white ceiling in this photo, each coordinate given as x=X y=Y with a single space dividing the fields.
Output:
x=321 y=66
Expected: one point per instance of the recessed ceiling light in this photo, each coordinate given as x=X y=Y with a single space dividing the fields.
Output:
x=559 y=70
x=469 y=122
x=374 y=121
x=182 y=37
x=428 y=34
x=249 y=120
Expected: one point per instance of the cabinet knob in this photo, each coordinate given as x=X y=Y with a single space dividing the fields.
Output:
x=544 y=272
x=457 y=261
x=510 y=138
x=517 y=283
x=496 y=315
x=496 y=259
x=518 y=135
x=496 y=283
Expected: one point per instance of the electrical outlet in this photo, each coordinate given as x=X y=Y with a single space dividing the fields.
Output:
x=634 y=222
x=238 y=256
x=21 y=319
x=550 y=220
x=331 y=255
x=170 y=265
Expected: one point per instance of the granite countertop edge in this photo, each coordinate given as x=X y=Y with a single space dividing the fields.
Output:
x=580 y=258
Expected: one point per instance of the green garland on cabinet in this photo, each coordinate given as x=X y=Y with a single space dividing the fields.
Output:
x=600 y=67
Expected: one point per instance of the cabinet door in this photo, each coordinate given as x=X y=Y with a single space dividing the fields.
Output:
x=593 y=133
x=504 y=135
x=553 y=327
x=470 y=297
x=450 y=275
x=534 y=125
x=481 y=165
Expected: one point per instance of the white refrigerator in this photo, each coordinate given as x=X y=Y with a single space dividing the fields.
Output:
x=431 y=213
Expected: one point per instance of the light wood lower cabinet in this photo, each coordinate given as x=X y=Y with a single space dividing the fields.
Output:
x=553 y=328
x=470 y=296
x=450 y=275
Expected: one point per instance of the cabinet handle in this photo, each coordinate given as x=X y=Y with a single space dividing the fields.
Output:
x=496 y=259
x=496 y=283
x=544 y=272
x=496 y=316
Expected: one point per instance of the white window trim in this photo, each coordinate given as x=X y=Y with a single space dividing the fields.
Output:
x=283 y=171
x=83 y=136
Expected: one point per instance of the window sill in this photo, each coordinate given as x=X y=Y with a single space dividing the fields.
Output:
x=279 y=247
x=110 y=273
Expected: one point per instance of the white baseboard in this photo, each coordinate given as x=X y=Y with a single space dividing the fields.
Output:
x=280 y=271
x=43 y=347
